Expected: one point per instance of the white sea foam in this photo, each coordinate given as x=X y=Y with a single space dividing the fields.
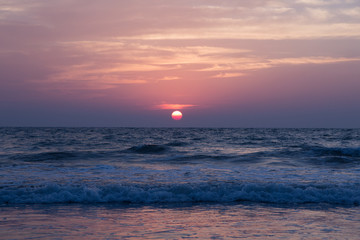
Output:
x=179 y=193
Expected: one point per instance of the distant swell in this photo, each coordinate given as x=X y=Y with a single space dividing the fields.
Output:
x=180 y=193
x=336 y=152
x=148 y=149
x=45 y=156
x=177 y=144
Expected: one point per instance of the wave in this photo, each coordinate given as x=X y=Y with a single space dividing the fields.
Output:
x=278 y=193
x=45 y=156
x=317 y=155
x=331 y=156
x=177 y=144
x=148 y=149
x=336 y=152
x=312 y=151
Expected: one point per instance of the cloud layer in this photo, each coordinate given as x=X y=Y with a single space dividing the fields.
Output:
x=147 y=53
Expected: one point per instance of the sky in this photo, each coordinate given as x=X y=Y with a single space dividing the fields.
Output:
x=229 y=63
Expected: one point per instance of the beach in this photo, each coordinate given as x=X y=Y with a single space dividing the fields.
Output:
x=179 y=221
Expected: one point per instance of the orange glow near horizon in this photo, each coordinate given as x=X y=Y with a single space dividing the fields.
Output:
x=176 y=115
x=174 y=106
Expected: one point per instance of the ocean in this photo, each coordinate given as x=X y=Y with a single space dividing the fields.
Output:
x=179 y=183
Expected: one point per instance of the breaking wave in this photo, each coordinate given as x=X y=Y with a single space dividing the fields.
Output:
x=278 y=193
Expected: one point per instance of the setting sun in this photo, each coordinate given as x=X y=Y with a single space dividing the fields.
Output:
x=176 y=115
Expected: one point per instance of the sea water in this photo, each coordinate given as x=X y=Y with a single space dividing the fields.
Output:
x=176 y=183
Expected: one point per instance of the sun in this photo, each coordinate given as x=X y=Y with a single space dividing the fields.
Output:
x=176 y=115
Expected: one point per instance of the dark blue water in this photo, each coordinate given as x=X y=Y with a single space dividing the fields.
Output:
x=192 y=165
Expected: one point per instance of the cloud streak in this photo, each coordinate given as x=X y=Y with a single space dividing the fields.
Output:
x=168 y=106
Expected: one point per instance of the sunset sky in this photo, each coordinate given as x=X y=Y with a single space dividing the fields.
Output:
x=229 y=63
